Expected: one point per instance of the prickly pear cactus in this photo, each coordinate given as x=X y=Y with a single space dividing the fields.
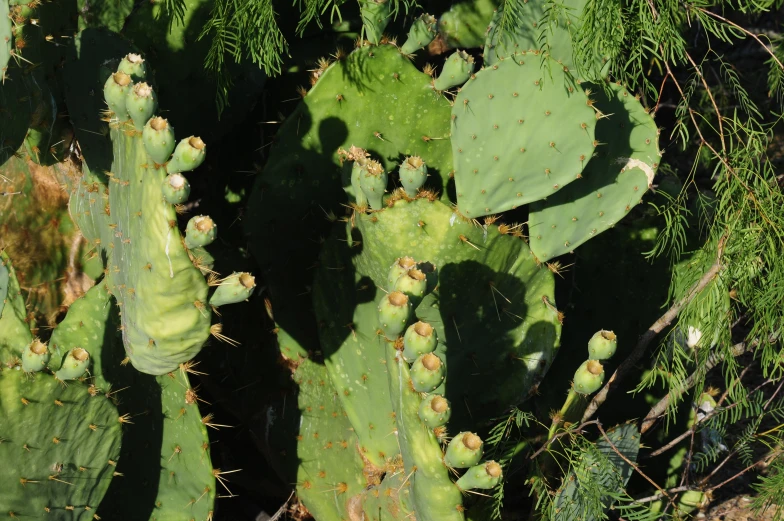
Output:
x=152 y=270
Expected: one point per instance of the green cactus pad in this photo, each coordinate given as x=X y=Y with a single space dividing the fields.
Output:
x=484 y=476
x=6 y=38
x=602 y=345
x=611 y=185
x=421 y=33
x=464 y=450
x=234 y=288
x=420 y=339
x=14 y=331
x=519 y=134
x=59 y=447
x=457 y=69
x=433 y=496
x=537 y=26
x=572 y=500
x=465 y=24
x=375 y=17
x=163 y=296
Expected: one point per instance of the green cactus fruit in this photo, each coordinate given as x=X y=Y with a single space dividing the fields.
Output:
x=434 y=411
x=133 y=65
x=115 y=91
x=484 y=476
x=427 y=373
x=457 y=69
x=393 y=314
x=158 y=138
x=613 y=182
x=357 y=171
x=141 y=104
x=399 y=268
x=421 y=33
x=413 y=173
x=521 y=131
x=234 y=288
x=175 y=188
x=588 y=377
x=413 y=284
x=375 y=17
x=35 y=357
x=188 y=155
x=602 y=345
x=373 y=182
x=60 y=447
x=420 y=339
x=76 y=364
x=465 y=450
x=692 y=500
x=200 y=231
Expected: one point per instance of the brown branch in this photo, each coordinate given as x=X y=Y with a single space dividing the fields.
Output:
x=646 y=338
x=657 y=411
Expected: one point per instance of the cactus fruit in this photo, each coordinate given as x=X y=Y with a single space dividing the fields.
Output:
x=76 y=364
x=434 y=411
x=484 y=476
x=602 y=345
x=394 y=312
x=373 y=183
x=588 y=377
x=201 y=231
x=375 y=17
x=35 y=356
x=188 y=155
x=398 y=269
x=420 y=339
x=465 y=450
x=158 y=137
x=519 y=135
x=134 y=66
x=457 y=69
x=427 y=373
x=413 y=284
x=234 y=288
x=421 y=33
x=116 y=90
x=413 y=174
x=141 y=103
x=175 y=189
x=612 y=183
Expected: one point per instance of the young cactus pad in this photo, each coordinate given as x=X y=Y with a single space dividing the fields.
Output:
x=519 y=134
x=162 y=295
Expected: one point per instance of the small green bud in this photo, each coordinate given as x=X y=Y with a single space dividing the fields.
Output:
x=413 y=173
x=422 y=32
x=420 y=339
x=401 y=266
x=356 y=174
x=484 y=476
x=373 y=182
x=141 y=104
x=589 y=377
x=234 y=288
x=602 y=345
x=393 y=314
x=427 y=373
x=465 y=450
x=434 y=411
x=76 y=363
x=691 y=500
x=201 y=231
x=35 y=357
x=175 y=189
x=457 y=69
x=115 y=91
x=413 y=283
x=375 y=17
x=133 y=65
x=188 y=155
x=158 y=139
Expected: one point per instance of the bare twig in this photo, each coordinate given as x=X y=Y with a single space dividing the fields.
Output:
x=562 y=433
x=663 y=321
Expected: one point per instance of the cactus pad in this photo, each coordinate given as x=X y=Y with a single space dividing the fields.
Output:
x=611 y=185
x=519 y=134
